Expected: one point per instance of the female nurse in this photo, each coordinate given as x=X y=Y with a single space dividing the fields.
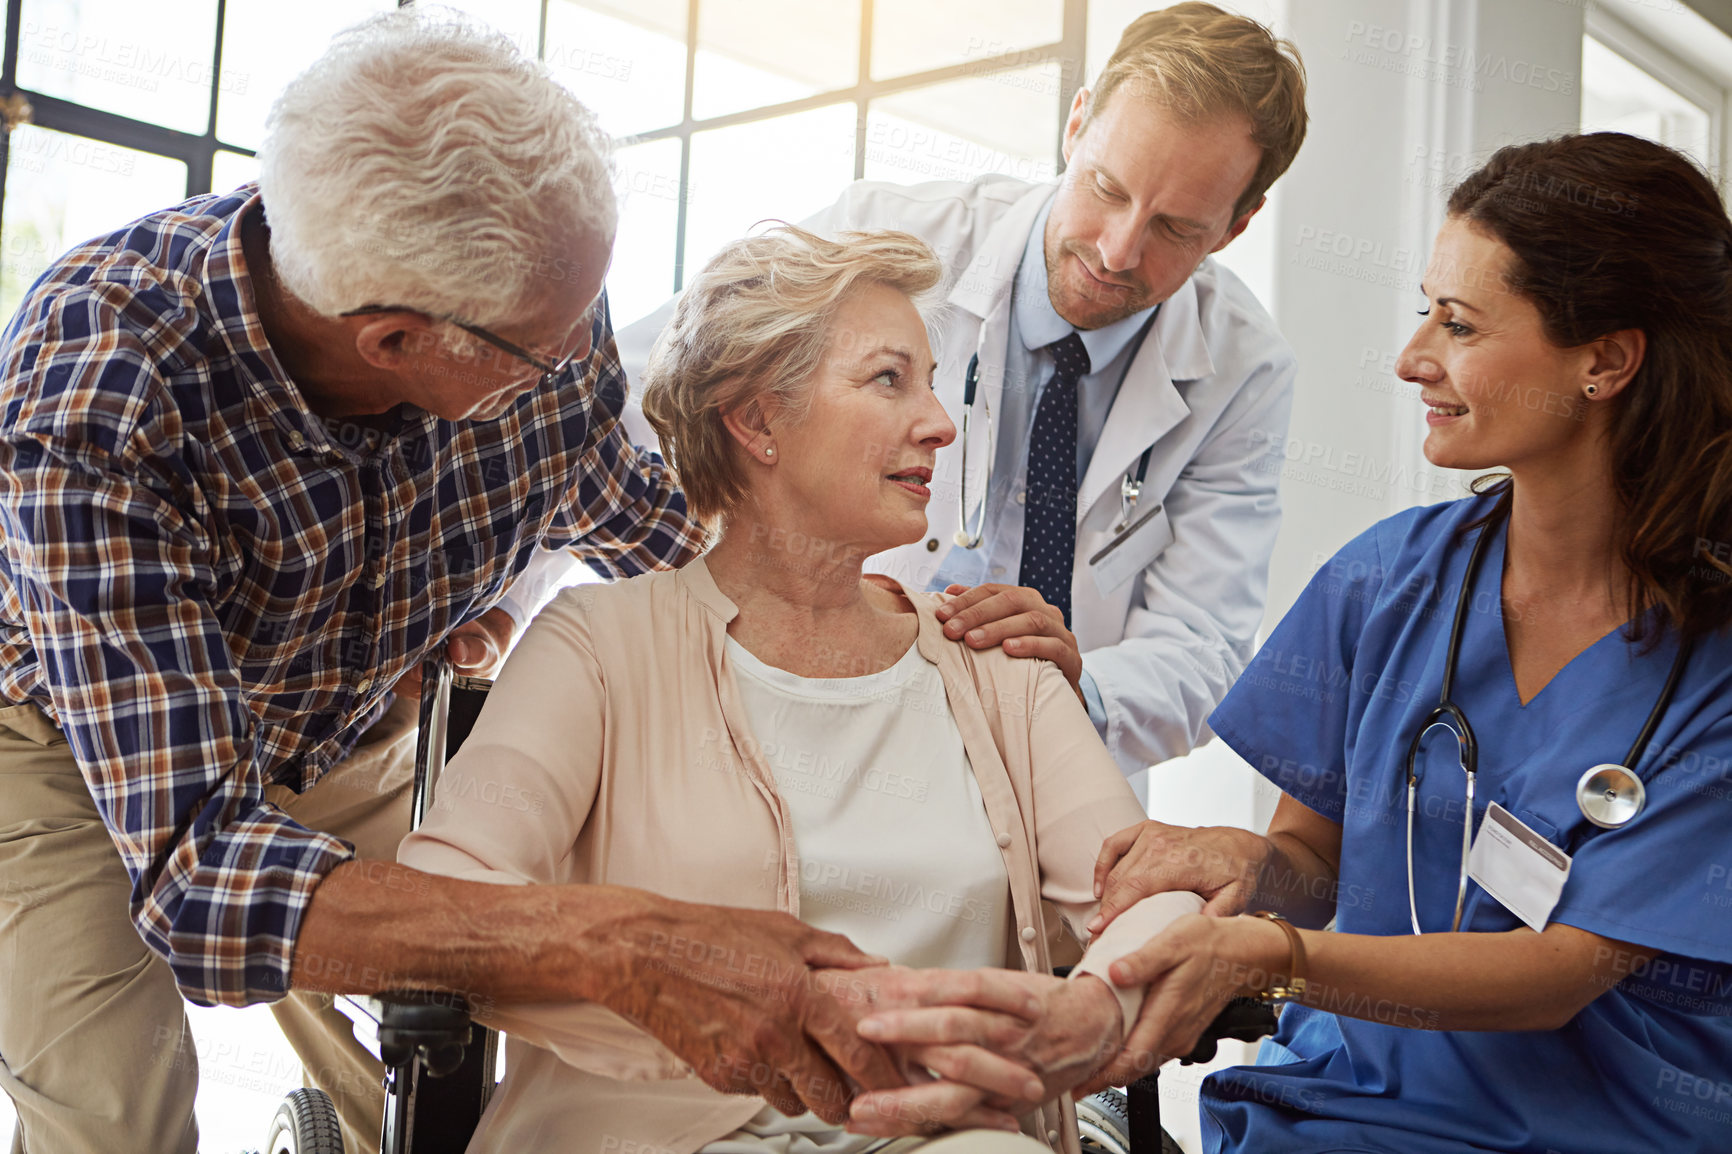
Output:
x=1577 y=337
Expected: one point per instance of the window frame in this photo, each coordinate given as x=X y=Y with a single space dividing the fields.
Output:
x=1682 y=77
x=198 y=151
x=60 y=115
x=1068 y=52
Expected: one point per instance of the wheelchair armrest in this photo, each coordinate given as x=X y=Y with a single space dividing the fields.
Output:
x=433 y=1024
x=1242 y=1019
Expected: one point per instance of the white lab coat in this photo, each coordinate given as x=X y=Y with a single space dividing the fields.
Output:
x=1166 y=619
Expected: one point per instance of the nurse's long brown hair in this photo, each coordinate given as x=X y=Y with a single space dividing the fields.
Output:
x=1613 y=232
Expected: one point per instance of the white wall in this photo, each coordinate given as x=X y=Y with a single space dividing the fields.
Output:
x=1401 y=108
x=1405 y=99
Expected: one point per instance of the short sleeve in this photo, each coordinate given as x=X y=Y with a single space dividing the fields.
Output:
x=1664 y=881
x=1289 y=712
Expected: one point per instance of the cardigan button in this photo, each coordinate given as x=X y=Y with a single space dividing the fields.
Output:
x=1028 y=933
x=932 y=544
x=1003 y=841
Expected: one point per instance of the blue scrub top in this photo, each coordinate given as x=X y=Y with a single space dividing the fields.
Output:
x=1326 y=711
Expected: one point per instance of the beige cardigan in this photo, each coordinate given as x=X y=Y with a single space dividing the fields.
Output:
x=614 y=749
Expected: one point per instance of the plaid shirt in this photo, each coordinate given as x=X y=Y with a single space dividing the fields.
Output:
x=211 y=588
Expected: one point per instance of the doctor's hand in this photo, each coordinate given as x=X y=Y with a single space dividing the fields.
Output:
x=1218 y=863
x=1017 y=618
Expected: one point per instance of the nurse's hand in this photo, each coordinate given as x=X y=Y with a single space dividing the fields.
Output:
x=1190 y=971
x=1017 y=618
x=1218 y=863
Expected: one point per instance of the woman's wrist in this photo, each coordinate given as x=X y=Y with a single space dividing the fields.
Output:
x=1281 y=885
x=1106 y=1015
x=1265 y=956
x=1100 y=998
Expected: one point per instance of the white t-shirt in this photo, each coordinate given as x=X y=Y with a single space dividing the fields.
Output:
x=894 y=844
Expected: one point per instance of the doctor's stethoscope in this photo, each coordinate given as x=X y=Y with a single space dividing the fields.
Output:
x=1130 y=488
x=1608 y=795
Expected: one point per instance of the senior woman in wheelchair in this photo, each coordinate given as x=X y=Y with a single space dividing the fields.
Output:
x=768 y=728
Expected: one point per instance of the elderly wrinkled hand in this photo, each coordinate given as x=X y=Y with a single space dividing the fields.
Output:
x=1060 y=1031
x=786 y=1031
x=475 y=649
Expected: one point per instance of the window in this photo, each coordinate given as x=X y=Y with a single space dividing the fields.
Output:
x=729 y=111
x=135 y=105
x=1634 y=83
x=739 y=111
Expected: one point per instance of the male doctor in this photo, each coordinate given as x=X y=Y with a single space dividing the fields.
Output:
x=1128 y=386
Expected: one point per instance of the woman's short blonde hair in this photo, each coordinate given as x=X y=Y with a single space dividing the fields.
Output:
x=755 y=324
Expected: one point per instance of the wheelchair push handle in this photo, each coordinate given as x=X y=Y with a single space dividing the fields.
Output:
x=433 y=1024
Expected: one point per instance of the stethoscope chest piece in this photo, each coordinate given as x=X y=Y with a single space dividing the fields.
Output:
x=1610 y=795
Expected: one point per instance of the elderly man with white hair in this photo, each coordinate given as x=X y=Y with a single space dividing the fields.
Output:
x=261 y=454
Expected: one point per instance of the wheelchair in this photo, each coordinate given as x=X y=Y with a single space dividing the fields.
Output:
x=440 y=1066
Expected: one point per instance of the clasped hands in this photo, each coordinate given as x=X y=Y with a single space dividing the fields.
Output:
x=969 y=1031
x=758 y=1002
x=978 y=1047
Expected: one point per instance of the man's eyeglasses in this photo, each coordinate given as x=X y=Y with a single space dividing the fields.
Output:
x=549 y=371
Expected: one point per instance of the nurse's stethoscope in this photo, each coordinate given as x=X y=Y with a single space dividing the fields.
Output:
x=1130 y=489
x=1608 y=795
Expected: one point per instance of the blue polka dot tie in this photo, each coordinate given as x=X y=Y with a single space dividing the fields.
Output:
x=1049 y=519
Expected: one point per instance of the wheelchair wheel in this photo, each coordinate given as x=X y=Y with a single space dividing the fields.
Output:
x=306 y=1123
x=1104 y=1125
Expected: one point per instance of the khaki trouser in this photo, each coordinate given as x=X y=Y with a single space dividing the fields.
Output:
x=95 y=1052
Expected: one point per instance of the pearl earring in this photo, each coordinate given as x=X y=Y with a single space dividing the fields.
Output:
x=770 y=452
